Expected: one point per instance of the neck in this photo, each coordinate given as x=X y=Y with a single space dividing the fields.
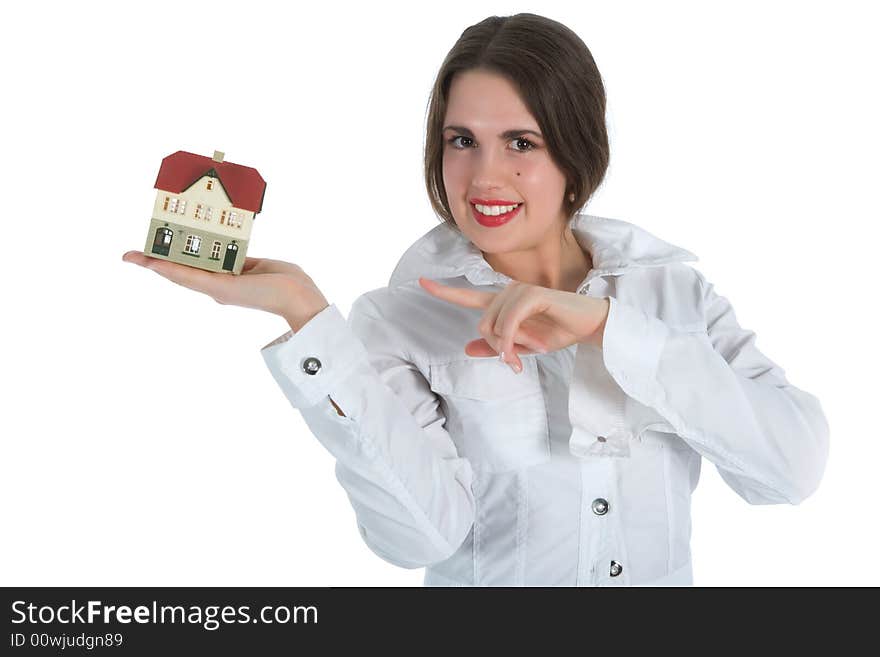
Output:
x=558 y=263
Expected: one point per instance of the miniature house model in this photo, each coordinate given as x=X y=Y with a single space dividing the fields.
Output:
x=204 y=211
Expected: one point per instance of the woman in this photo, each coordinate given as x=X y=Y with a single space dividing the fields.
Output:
x=575 y=465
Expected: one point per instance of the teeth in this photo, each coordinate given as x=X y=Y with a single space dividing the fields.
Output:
x=494 y=210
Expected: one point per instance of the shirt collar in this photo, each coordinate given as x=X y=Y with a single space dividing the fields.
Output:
x=614 y=246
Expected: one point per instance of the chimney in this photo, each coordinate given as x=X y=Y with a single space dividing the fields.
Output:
x=218 y=156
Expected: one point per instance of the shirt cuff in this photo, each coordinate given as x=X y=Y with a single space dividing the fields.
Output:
x=326 y=346
x=632 y=344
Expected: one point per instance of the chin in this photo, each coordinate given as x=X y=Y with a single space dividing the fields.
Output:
x=488 y=243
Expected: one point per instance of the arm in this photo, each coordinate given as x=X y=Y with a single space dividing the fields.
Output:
x=410 y=491
x=768 y=439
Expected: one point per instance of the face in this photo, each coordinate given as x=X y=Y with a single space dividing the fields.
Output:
x=494 y=155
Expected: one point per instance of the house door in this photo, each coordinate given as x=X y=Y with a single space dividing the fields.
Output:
x=229 y=258
x=162 y=241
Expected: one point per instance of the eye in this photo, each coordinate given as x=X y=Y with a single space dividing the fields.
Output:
x=453 y=142
x=523 y=149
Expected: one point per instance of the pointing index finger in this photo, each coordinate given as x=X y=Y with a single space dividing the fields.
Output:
x=458 y=296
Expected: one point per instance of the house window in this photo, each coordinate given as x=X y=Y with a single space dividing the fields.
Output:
x=210 y=184
x=203 y=212
x=193 y=242
x=223 y=217
x=234 y=219
x=215 y=250
x=175 y=204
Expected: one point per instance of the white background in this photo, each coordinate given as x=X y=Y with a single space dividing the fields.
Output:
x=745 y=133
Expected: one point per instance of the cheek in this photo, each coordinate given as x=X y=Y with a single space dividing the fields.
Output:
x=542 y=184
x=454 y=172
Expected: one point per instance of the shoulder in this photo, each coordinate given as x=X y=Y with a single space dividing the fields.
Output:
x=675 y=277
x=671 y=292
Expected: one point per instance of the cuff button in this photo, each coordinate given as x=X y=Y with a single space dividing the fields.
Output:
x=311 y=365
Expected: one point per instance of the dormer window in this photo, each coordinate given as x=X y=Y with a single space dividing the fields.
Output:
x=210 y=184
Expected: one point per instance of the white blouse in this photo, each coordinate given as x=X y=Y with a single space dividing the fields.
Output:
x=577 y=471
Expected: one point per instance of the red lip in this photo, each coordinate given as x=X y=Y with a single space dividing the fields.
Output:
x=492 y=222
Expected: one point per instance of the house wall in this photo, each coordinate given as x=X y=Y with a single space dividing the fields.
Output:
x=203 y=259
x=215 y=198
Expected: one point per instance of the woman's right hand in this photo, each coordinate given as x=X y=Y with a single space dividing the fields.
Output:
x=278 y=287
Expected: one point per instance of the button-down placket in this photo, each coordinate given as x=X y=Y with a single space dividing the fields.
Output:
x=598 y=419
x=596 y=432
x=601 y=550
x=599 y=525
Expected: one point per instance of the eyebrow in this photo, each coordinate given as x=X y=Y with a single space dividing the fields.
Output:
x=507 y=134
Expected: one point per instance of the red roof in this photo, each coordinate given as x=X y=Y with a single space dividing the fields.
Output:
x=244 y=185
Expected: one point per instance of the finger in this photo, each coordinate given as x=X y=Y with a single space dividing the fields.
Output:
x=521 y=306
x=482 y=348
x=528 y=340
x=486 y=325
x=458 y=296
x=137 y=258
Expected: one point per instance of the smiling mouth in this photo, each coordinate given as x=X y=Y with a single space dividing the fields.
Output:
x=486 y=215
x=494 y=208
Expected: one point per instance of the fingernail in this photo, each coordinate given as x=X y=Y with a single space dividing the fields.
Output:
x=516 y=367
x=501 y=357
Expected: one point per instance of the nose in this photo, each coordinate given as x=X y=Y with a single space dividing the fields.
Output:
x=490 y=170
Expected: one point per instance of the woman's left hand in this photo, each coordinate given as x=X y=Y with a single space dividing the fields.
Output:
x=525 y=318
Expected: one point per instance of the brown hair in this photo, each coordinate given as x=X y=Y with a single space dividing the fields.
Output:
x=555 y=74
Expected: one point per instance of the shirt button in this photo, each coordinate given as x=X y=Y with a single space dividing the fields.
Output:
x=616 y=569
x=600 y=506
x=311 y=365
x=601 y=439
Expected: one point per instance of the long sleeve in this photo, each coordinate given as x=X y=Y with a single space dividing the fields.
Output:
x=768 y=439
x=410 y=491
